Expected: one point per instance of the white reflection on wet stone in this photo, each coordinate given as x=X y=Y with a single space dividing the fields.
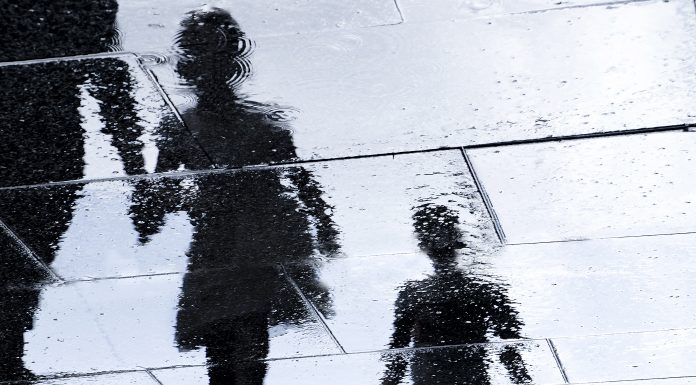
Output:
x=602 y=286
x=629 y=356
x=101 y=240
x=101 y=159
x=107 y=325
x=594 y=188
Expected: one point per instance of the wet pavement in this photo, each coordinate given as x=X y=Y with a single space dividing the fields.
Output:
x=365 y=192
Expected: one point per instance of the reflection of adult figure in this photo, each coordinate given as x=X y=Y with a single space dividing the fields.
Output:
x=450 y=308
x=214 y=60
x=43 y=136
x=43 y=139
x=246 y=223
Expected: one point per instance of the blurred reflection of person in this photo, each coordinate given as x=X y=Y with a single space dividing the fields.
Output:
x=450 y=308
x=247 y=223
x=43 y=138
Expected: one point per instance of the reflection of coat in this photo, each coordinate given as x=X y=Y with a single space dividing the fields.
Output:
x=237 y=134
x=246 y=224
x=210 y=300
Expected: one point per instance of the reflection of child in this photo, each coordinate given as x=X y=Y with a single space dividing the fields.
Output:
x=450 y=308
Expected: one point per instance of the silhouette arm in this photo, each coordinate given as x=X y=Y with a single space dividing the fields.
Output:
x=396 y=368
x=310 y=194
x=506 y=325
x=504 y=318
x=152 y=200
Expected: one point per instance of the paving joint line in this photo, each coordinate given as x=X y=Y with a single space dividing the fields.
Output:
x=99 y=55
x=312 y=308
x=166 y=174
x=297 y=162
x=559 y=363
x=503 y=14
x=592 y=135
x=602 y=238
x=410 y=349
x=581 y=6
x=153 y=377
x=693 y=328
x=401 y=14
x=635 y=380
x=485 y=197
x=86 y=374
x=55 y=278
x=112 y=278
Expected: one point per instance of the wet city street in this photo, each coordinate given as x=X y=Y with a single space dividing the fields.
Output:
x=377 y=192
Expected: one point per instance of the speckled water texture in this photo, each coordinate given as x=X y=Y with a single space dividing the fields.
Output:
x=347 y=192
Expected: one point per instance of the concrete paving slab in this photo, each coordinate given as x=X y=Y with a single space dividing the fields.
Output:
x=470 y=82
x=85 y=119
x=627 y=356
x=601 y=286
x=457 y=365
x=163 y=321
x=595 y=188
x=293 y=214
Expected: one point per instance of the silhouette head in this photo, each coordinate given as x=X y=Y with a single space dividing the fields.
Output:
x=437 y=232
x=211 y=48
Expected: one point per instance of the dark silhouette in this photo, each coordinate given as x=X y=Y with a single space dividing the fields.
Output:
x=39 y=116
x=214 y=60
x=41 y=139
x=247 y=224
x=450 y=308
x=36 y=29
x=19 y=278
